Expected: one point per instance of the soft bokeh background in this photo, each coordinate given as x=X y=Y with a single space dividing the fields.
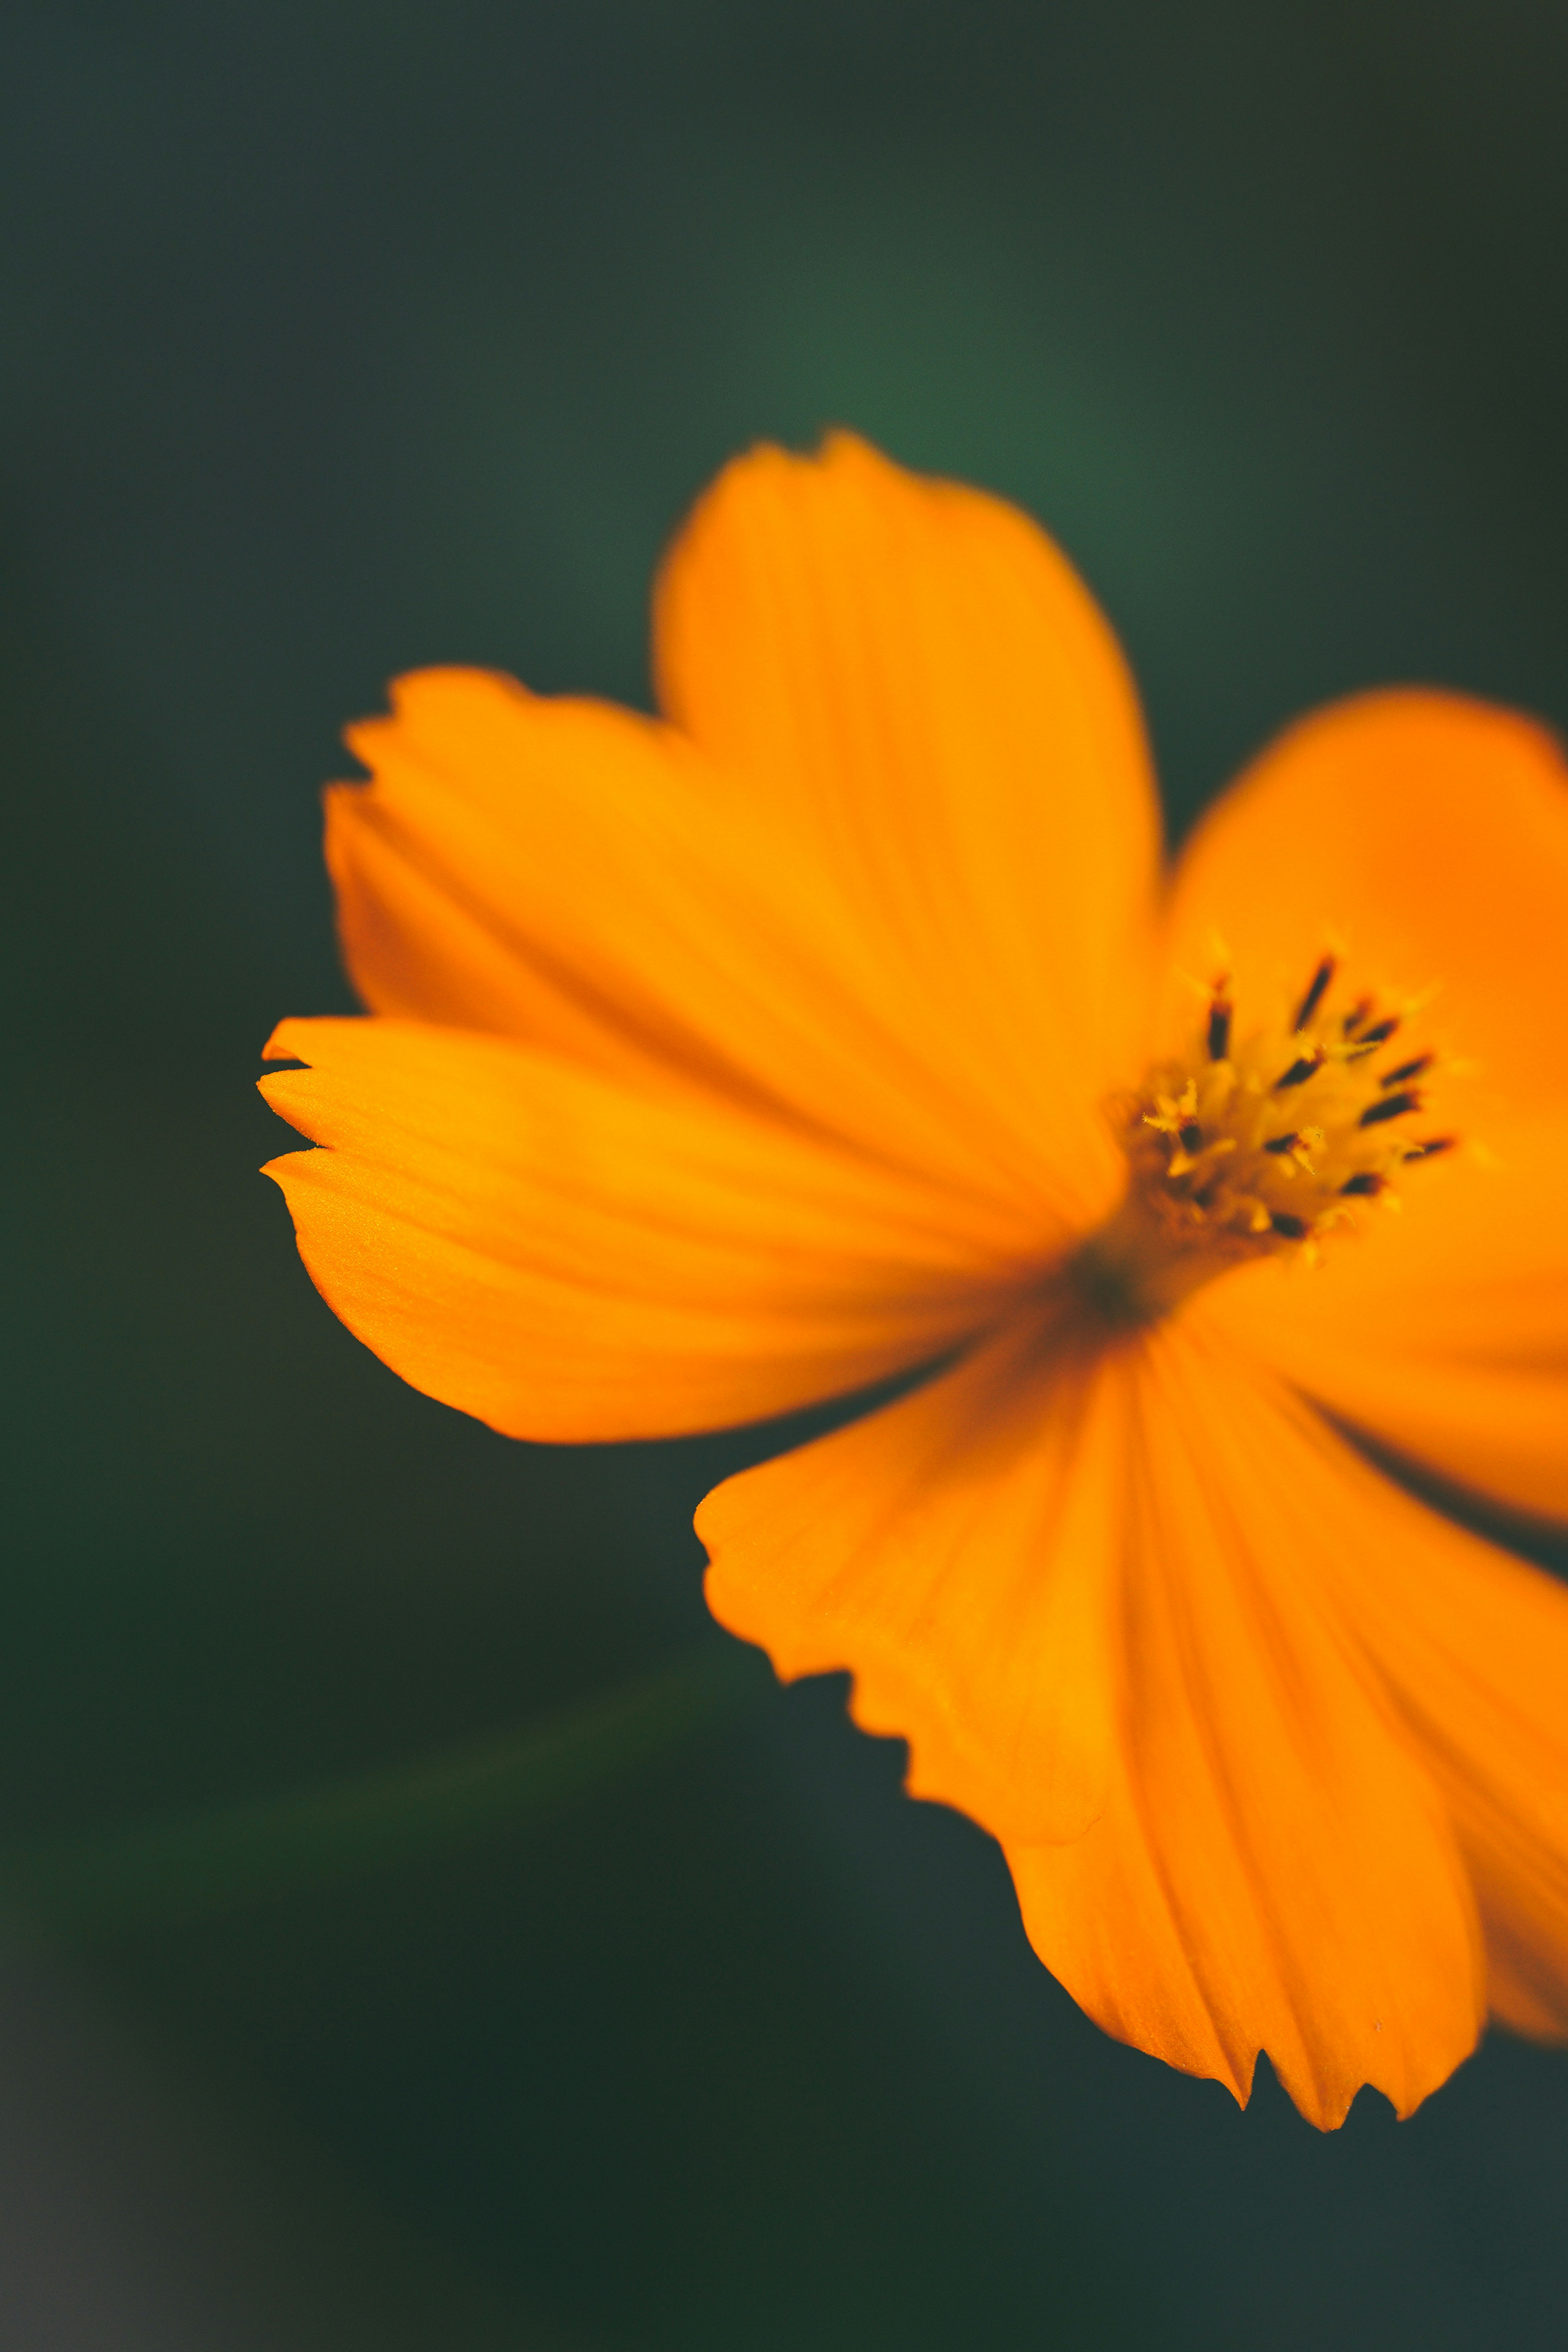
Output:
x=339 y=337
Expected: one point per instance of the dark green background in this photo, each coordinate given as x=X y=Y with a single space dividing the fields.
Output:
x=337 y=338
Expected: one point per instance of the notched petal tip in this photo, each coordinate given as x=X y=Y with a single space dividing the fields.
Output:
x=280 y=1046
x=1276 y=1869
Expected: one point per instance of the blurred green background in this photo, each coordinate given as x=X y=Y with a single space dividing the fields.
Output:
x=337 y=338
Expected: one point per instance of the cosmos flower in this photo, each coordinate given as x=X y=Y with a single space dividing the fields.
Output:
x=843 y=1022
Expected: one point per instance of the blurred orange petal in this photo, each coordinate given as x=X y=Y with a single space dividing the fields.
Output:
x=1444 y=1332
x=1474 y=1646
x=1274 y=1869
x=1428 y=835
x=909 y=676
x=568 y=1257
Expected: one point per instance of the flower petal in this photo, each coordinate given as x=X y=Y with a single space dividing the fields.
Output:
x=1443 y=1332
x=1429 y=834
x=959 y=1551
x=1474 y=1645
x=910 y=672
x=576 y=876
x=1273 y=1869
x=1086 y=1590
x=568 y=1258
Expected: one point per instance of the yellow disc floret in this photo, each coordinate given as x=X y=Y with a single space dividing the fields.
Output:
x=1263 y=1140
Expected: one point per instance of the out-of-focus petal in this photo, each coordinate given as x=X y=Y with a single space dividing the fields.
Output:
x=1474 y=1646
x=570 y=1258
x=909 y=672
x=1427 y=836
x=1274 y=1868
x=960 y=1551
x=1443 y=1332
x=579 y=877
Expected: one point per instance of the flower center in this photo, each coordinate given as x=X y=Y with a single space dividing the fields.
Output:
x=1262 y=1141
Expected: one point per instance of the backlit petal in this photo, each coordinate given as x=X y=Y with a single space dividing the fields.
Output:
x=1428 y=835
x=960 y=1551
x=1444 y=1330
x=581 y=877
x=1273 y=1869
x=1474 y=1645
x=910 y=672
x=568 y=1257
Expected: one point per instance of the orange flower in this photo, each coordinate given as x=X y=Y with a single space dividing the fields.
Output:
x=841 y=1021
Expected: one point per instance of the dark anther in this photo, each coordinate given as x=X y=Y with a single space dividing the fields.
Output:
x=1289 y=1228
x=1299 y=1072
x=1283 y=1142
x=1356 y=1016
x=1317 y=989
x=1219 y=1012
x=1391 y=1107
x=1380 y=1031
x=1430 y=1150
x=1407 y=1070
x=1190 y=1137
x=1368 y=1184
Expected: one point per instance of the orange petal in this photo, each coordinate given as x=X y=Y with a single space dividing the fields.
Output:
x=1429 y=835
x=1444 y=1332
x=568 y=1258
x=959 y=1551
x=1273 y=1869
x=912 y=675
x=1474 y=1646
x=575 y=875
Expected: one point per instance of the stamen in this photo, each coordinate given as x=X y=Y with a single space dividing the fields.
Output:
x=1317 y=989
x=1430 y=1149
x=1391 y=1107
x=1407 y=1070
x=1217 y=1177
